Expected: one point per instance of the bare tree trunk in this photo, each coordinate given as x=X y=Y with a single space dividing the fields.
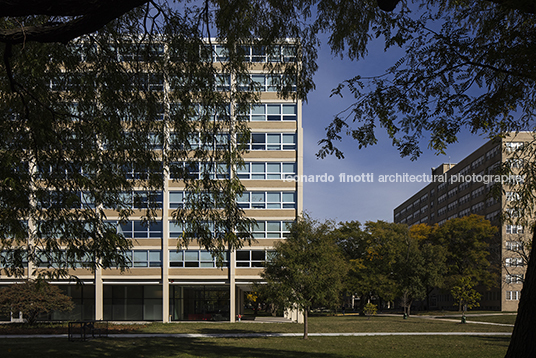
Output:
x=523 y=342
x=305 y=322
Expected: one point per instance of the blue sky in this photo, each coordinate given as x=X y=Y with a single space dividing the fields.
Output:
x=361 y=201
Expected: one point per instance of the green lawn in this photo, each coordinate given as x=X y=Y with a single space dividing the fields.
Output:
x=315 y=347
x=338 y=324
x=288 y=347
x=503 y=319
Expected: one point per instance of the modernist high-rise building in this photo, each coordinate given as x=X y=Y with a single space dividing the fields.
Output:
x=462 y=189
x=165 y=283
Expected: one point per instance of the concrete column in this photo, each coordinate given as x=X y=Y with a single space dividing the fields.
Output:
x=99 y=295
x=165 y=250
x=232 y=286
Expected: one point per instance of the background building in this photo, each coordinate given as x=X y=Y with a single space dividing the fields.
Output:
x=454 y=197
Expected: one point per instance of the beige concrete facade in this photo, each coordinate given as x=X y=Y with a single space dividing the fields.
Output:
x=449 y=196
x=167 y=283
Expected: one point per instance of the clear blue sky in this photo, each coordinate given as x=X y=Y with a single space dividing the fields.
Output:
x=361 y=201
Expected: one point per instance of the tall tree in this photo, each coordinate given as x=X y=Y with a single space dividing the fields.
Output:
x=85 y=120
x=468 y=241
x=306 y=270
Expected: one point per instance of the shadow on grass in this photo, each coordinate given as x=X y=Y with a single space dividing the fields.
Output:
x=156 y=348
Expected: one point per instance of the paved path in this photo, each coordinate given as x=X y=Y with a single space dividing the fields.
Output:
x=257 y=335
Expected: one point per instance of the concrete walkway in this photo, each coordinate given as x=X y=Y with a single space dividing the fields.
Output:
x=258 y=335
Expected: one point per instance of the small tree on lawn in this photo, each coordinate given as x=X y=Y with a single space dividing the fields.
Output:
x=370 y=309
x=465 y=295
x=33 y=298
x=306 y=270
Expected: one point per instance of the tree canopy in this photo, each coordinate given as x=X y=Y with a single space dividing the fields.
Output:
x=91 y=124
x=33 y=298
x=306 y=270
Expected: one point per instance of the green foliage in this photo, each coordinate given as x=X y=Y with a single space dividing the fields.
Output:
x=465 y=295
x=32 y=298
x=370 y=309
x=465 y=65
x=468 y=242
x=390 y=261
x=306 y=270
x=80 y=122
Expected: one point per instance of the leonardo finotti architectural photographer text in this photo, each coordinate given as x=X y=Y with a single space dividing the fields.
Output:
x=405 y=178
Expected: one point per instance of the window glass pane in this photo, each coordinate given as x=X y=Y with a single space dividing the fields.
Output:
x=257 y=109
x=175 y=256
x=191 y=255
x=273 y=226
x=155 y=256
x=140 y=255
x=257 y=167
x=243 y=198
x=273 y=167
x=288 y=138
x=244 y=168
x=289 y=109
x=273 y=138
x=175 y=196
x=288 y=197
x=242 y=255
x=257 y=255
x=206 y=256
x=289 y=168
x=257 y=197
x=259 y=226
x=273 y=109
x=273 y=197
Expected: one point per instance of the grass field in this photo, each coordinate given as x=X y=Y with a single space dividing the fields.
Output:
x=314 y=347
x=473 y=346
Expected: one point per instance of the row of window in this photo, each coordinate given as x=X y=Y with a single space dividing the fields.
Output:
x=270 y=229
x=156 y=82
x=177 y=258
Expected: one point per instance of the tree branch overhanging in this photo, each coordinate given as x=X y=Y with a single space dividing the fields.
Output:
x=90 y=20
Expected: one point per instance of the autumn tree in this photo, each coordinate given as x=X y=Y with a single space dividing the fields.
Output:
x=32 y=298
x=306 y=270
x=468 y=241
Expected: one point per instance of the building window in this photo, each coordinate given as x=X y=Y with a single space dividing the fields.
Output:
x=477 y=163
x=140 y=229
x=198 y=170
x=271 y=229
x=140 y=200
x=514 y=245
x=511 y=147
x=251 y=258
x=513 y=295
x=514 y=278
x=271 y=141
x=512 y=196
x=477 y=207
x=464 y=213
x=267 y=200
x=266 y=170
x=477 y=192
x=144 y=258
x=195 y=258
x=514 y=229
x=514 y=262
x=273 y=112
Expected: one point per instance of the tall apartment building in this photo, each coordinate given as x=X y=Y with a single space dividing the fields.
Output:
x=448 y=196
x=169 y=284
